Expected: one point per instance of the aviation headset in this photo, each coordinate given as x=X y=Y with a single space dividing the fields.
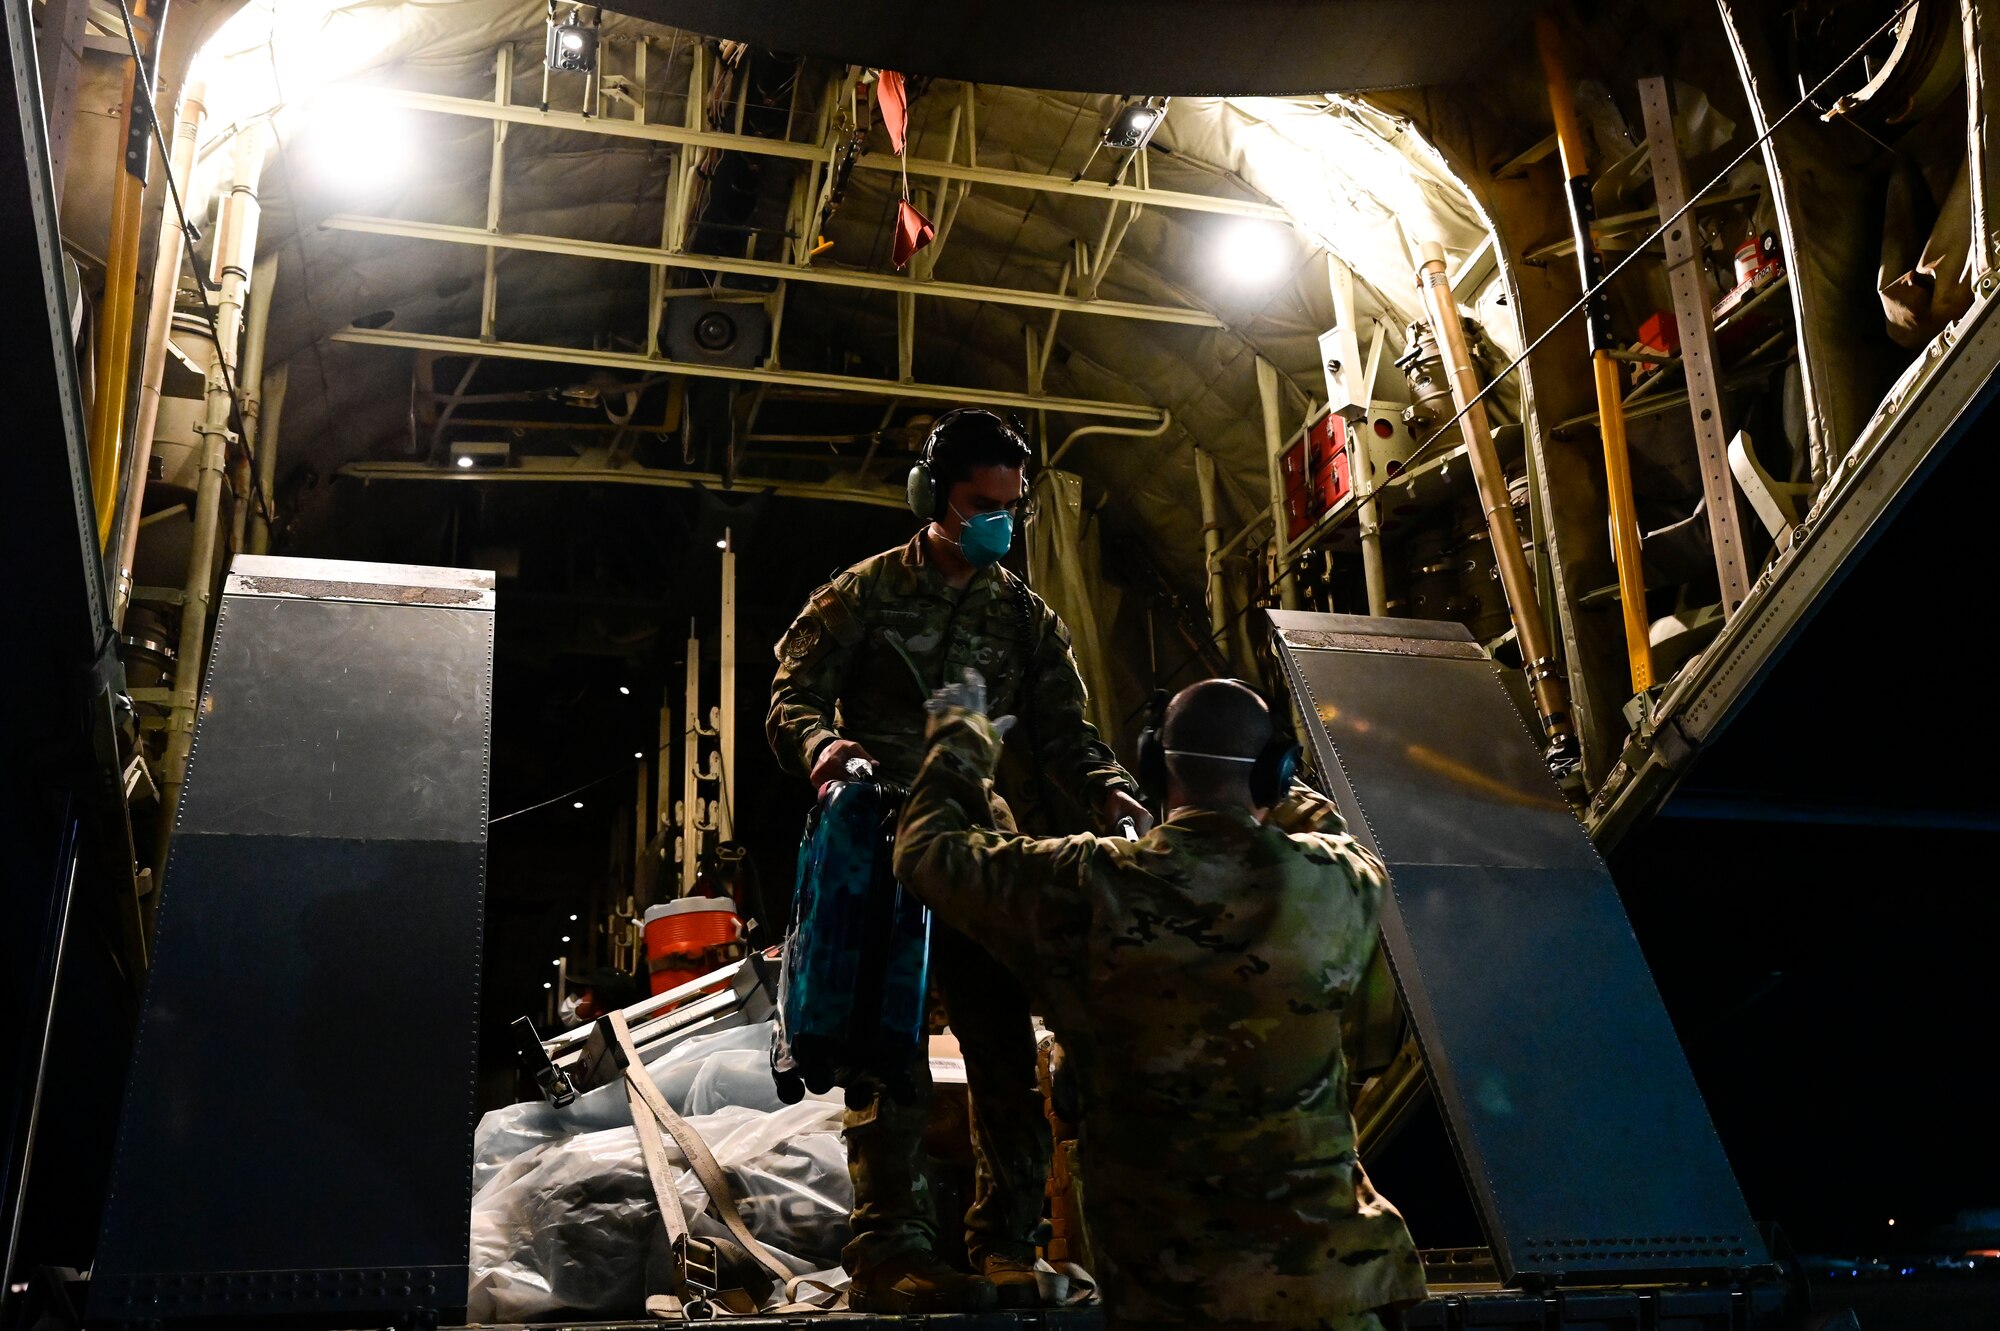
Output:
x=1271 y=771
x=921 y=487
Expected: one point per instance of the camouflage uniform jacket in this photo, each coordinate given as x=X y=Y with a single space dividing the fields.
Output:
x=871 y=646
x=1195 y=979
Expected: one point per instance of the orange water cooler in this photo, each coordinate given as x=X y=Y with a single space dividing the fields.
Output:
x=687 y=939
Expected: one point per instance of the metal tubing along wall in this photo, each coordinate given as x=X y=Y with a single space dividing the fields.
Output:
x=250 y=387
x=236 y=244
x=1610 y=401
x=159 y=326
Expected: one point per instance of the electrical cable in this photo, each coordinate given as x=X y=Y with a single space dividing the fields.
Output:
x=620 y=770
x=145 y=93
x=1218 y=636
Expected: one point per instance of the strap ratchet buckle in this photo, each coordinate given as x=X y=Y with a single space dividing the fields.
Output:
x=698 y=1273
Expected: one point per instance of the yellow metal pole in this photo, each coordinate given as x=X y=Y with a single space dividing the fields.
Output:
x=114 y=317
x=1610 y=400
x=1624 y=520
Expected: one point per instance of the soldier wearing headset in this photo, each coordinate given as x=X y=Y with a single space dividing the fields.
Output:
x=855 y=671
x=1195 y=978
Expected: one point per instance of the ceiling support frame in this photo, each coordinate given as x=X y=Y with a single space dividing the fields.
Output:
x=666 y=257
x=964 y=116
x=496 y=183
x=924 y=265
x=885 y=163
x=598 y=468
x=906 y=336
x=1043 y=344
x=1118 y=219
x=837 y=383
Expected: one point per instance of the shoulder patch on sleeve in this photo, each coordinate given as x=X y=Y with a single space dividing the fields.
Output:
x=799 y=643
x=833 y=612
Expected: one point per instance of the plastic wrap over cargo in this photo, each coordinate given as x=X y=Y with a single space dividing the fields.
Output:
x=563 y=1219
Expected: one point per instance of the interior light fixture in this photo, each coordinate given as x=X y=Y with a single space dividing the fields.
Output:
x=491 y=454
x=572 y=45
x=577 y=804
x=1132 y=127
x=722 y=544
x=548 y=984
x=572 y=919
x=556 y=962
x=624 y=691
x=565 y=938
x=640 y=754
x=1253 y=254
x=358 y=145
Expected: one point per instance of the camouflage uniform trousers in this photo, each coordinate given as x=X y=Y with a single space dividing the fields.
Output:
x=1296 y=1248
x=893 y=1210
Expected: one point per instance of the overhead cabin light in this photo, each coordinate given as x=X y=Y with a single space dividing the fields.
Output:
x=572 y=45
x=1253 y=254
x=359 y=146
x=469 y=453
x=1133 y=125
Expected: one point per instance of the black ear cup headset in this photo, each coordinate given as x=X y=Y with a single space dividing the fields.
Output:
x=920 y=487
x=1271 y=771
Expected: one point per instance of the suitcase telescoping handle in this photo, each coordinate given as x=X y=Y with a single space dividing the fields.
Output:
x=1128 y=828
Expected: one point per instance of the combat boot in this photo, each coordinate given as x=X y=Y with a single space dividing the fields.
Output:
x=1014 y=1280
x=917 y=1281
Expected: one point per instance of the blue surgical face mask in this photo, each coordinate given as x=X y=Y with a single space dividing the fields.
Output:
x=986 y=537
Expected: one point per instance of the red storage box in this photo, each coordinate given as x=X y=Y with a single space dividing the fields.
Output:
x=1315 y=473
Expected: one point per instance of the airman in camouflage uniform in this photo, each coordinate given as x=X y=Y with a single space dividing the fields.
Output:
x=870 y=646
x=1195 y=978
x=855 y=670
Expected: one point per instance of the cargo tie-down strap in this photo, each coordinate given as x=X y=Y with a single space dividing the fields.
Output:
x=697 y=1276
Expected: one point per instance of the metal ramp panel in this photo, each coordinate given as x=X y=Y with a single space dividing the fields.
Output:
x=1584 y=1142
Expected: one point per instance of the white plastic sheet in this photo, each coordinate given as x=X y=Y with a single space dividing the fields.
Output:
x=563 y=1219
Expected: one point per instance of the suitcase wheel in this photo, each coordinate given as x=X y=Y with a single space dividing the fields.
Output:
x=791 y=1087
